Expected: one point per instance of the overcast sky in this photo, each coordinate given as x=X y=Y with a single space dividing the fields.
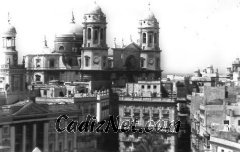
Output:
x=193 y=33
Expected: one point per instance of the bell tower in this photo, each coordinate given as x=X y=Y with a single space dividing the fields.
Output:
x=12 y=74
x=9 y=45
x=95 y=51
x=149 y=41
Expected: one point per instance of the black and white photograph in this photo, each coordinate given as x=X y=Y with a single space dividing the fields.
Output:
x=120 y=76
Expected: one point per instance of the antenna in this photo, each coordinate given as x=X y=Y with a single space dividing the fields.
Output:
x=9 y=18
x=122 y=43
x=73 y=18
x=149 y=5
x=45 y=41
x=114 y=40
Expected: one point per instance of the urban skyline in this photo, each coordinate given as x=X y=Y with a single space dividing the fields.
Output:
x=65 y=74
x=200 y=29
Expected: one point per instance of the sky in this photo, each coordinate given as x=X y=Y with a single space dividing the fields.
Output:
x=193 y=33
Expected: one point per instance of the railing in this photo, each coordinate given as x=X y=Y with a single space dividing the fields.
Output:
x=53 y=68
x=4 y=66
x=145 y=99
x=7 y=66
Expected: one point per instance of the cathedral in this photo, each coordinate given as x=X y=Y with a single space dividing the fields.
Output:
x=81 y=54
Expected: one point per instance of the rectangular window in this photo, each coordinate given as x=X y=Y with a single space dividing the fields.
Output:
x=5 y=130
x=38 y=65
x=144 y=37
x=101 y=34
x=44 y=92
x=142 y=86
x=238 y=122
x=89 y=33
x=155 y=38
x=95 y=36
x=142 y=62
x=87 y=61
x=158 y=63
x=226 y=122
x=51 y=63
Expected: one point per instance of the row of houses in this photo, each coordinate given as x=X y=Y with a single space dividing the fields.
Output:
x=215 y=112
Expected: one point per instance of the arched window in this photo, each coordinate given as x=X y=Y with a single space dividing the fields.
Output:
x=101 y=34
x=158 y=62
x=87 y=61
x=95 y=35
x=89 y=33
x=61 y=48
x=155 y=38
x=51 y=63
x=38 y=63
x=144 y=37
x=37 y=78
x=150 y=38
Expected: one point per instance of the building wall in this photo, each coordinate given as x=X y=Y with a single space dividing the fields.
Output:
x=144 y=88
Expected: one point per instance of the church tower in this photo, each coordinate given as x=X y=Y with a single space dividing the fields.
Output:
x=9 y=45
x=149 y=41
x=95 y=51
x=12 y=75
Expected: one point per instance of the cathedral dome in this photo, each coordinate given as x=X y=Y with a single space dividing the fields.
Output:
x=70 y=29
x=9 y=31
x=148 y=15
x=95 y=9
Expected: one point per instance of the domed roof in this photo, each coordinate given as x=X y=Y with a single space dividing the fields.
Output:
x=9 y=31
x=70 y=29
x=148 y=15
x=95 y=9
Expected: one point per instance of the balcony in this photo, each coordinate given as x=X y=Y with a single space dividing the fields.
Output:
x=146 y=99
x=54 y=68
x=4 y=66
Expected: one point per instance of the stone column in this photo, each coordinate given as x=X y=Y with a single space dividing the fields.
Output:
x=146 y=39
x=84 y=36
x=99 y=35
x=24 y=138
x=75 y=142
x=45 y=137
x=12 y=138
x=34 y=135
x=56 y=141
x=0 y=136
x=92 y=38
x=65 y=145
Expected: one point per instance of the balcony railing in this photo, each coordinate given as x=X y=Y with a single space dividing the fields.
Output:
x=7 y=66
x=146 y=99
x=54 y=68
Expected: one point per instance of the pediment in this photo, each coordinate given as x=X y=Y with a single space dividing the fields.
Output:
x=31 y=108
